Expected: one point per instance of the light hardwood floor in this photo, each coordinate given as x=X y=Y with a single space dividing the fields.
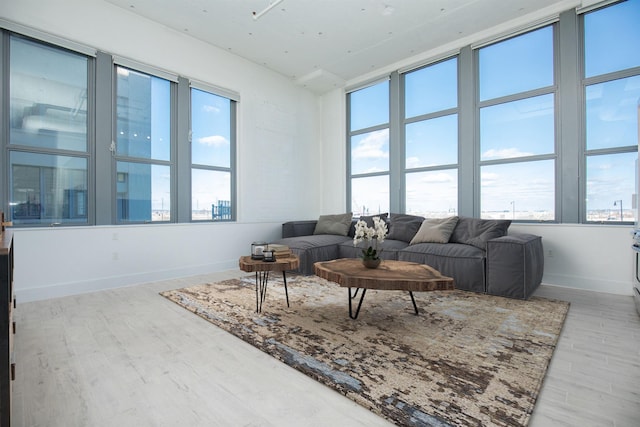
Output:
x=129 y=357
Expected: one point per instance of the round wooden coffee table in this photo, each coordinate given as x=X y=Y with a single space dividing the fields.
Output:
x=390 y=275
x=262 y=270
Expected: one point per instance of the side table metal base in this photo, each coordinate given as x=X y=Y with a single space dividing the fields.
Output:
x=262 y=280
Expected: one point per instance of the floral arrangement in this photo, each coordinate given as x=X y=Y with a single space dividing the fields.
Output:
x=372 y=235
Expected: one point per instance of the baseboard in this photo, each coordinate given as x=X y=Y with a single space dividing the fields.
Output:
x=589 y=284
x=74 y=288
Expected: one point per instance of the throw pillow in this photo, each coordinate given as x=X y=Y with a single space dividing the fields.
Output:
x=435 y=230
x=403 y=227
x=369 y=218
x=476 y=231
x=333 y=224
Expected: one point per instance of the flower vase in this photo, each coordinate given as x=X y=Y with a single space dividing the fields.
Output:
x=371 y=262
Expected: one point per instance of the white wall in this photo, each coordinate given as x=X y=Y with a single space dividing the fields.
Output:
x=591 y=257
x=52 y=262
x=279 y=174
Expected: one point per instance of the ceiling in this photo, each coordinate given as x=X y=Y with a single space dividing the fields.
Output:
x=322 y=44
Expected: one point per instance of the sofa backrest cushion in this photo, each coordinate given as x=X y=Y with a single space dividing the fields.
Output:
x=334 y=224
x=369 y=220
x=435 y=230
x=404 y=227
x=476 y=231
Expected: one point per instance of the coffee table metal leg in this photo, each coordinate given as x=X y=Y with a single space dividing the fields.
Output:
x=354 y=294
x=415 y=307
x=364 y=291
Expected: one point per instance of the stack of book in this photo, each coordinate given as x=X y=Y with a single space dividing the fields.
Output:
x=280 y=251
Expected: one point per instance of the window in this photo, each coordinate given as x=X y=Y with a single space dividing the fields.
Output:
x=369 y=149
x=612 y=105
x=143 y=147
x=211 y=156
x=95 y=139
x=48 y=139
x=431 y=140
x=517 y=127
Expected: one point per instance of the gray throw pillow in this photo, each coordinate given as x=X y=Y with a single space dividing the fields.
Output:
x=334 y=224
x=403 y=227
x=435 y=230
x=476 y=231
x=369 y=220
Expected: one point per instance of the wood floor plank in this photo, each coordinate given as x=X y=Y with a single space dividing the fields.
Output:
x=129 y=357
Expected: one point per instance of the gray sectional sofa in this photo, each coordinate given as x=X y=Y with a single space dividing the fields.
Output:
x=481 y=255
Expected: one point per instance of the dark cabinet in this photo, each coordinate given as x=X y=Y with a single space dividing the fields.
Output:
x=7 y=326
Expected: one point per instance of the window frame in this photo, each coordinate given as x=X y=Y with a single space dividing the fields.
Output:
x=5 y=157
x=552 y=89
x=586 y=153
x=101 y=132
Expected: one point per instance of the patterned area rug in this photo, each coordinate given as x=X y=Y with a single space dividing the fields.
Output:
x=465 y=360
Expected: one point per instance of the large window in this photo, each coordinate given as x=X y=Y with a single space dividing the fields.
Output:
x=431 y=140
x=143 y=147
x=96 y=139
x=369 y=149
x=612 y=106
x=517 y=127
x=48 y=139
x=211 y=156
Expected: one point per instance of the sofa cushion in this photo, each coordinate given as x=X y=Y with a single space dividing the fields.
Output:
x=311 y=249
x=334 y=224
x=404 y=227
x=465 y=263
x=435 y=230
x=477 y=232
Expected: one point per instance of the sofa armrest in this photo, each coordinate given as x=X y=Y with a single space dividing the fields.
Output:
x=298 y=228
x=515 y=264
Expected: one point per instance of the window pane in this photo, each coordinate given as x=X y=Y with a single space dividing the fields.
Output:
x=143 y=115
x=518 y=128
x=432 y=142
x=143 y=192
x=370 y=152
x=210 y=126
x=523 y=190
x=370 y=195
x=370 y=106
x=210 y=195
x=611 y=186
x=47 y=96
x=612 y=113
x=611 y=38
x=432 y=194
x=433 y=88
x=517 y=65
x=47 y=189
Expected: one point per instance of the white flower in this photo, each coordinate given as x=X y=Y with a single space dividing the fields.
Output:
x=376 y=234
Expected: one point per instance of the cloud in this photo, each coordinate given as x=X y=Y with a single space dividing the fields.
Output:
x=413 y=162
x=438 y=178
x=210 y=109
x=213 y=140
x=489 y=178
x=504 y=153
x=372 y=146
